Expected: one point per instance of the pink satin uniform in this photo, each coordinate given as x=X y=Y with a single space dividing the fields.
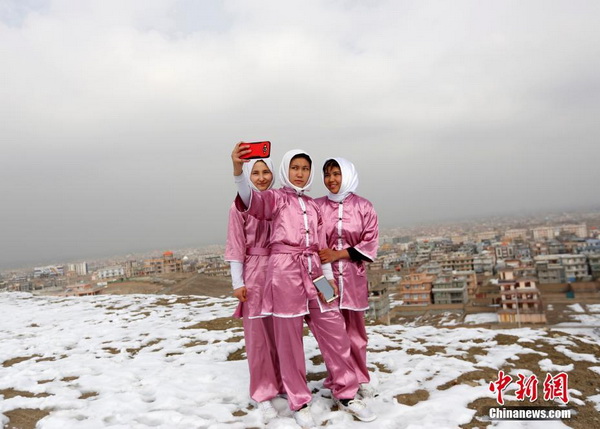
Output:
x=352 y=223
x=296 y=236
x=248 y=242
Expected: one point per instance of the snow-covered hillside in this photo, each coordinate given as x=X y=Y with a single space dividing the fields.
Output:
x=149 y=361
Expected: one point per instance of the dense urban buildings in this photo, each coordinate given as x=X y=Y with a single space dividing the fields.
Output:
x=496 y=267
x=502 y=265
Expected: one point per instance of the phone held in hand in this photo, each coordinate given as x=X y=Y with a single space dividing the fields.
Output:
x=258 y=150
x=323 y=285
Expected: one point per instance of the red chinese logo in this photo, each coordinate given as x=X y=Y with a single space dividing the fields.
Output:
x=499 y=385
x=555 y=387
x=527 y=388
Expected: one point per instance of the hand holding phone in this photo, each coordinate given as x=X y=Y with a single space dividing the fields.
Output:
x=258 y=150
x=238 y=158
x=323 y=286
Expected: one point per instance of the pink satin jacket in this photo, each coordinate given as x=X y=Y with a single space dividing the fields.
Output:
x=351 y=223
x=248 y=242
x=296 y=236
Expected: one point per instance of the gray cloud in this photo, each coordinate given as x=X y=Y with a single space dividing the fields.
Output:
x=117 y=118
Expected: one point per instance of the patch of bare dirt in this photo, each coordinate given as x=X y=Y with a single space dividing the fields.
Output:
x=134 y=351
x=505 y=340
x=221 y=323
x=387 y=349
x=48 y=359
x=239 y=354
x=559 y=313
x=472 y=378
x=127 y=288
x=472 y=352
x=195 y=343
x=413 y=398
x=12 y=393
x=429 y=351
x=69 y=379
x=115 y=308
x=316 y=376
x=185 y=284
x=14 y=361
x=382 y=368
x=142 y=313
x=88 y=395
x=317 y=360
x=24 y=418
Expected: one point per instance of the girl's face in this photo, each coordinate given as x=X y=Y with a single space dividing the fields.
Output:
x=299 y=172
x=333 y=179
x=261 y=176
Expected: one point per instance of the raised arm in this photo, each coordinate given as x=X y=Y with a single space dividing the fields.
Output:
x=243 y=186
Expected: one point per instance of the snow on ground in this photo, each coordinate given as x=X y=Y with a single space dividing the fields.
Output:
x=576 y=308
x=547 y=366
x=448 y=319
x=586 y=319
x=147 y=361
x=596 y=399
x=481 y=318
x=594 y=308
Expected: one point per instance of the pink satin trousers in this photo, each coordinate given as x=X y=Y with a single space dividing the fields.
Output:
x=329 y=331
x=357 y=333
x=263 y=362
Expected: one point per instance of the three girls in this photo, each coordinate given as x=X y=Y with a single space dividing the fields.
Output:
x=289 y=295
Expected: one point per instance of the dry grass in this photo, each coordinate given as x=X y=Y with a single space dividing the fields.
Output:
x=25 y=418
x=221 y=323
x=412 y=398
x=14 y=361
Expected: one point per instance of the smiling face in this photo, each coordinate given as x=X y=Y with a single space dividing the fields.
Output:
x=333 y=179
x=261 y=176
x=299 y=172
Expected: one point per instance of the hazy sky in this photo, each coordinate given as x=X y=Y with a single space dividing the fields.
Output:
x=117 y=118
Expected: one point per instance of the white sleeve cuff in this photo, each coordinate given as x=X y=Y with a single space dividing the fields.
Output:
x=243 y=188
x=237 y=274
x=327 y=271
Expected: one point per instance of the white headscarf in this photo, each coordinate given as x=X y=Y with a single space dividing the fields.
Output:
x=284 y=171
x=247 y=169
x=349 y=180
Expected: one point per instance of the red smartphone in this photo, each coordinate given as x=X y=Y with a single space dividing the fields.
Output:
x=258 y=150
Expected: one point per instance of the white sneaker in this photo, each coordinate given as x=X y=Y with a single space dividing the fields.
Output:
x=367 y=391
x=304 y=418
x=358 y=409
x=267 y=411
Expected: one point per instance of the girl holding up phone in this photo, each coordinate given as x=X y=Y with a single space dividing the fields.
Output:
x=290 y=296
x=352 y=231
x=247 y=251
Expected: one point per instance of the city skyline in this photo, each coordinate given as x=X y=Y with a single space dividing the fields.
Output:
x=120 y=118
x=481 y=224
